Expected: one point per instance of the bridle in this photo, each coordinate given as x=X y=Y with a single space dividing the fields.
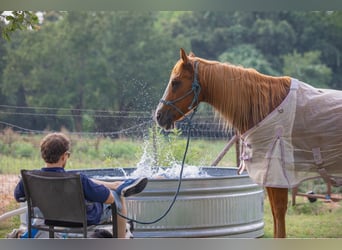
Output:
x=195 y=89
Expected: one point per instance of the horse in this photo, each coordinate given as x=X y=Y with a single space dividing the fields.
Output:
x=244 y=98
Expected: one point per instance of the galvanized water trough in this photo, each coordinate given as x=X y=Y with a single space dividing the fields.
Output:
x=222 y=205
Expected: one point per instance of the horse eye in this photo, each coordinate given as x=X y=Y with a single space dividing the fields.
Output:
x=175 y=84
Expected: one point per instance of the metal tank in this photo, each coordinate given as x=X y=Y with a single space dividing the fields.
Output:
x=222 y=205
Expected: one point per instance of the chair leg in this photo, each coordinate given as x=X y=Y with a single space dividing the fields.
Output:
x=114 y=221
x=51 y=232
x=29 y=224
x=85 y=232
x=29 y=230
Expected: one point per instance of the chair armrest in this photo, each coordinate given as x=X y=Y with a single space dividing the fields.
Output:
x=22 y=199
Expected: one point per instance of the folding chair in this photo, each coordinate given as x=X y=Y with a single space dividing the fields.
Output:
x=60 y=199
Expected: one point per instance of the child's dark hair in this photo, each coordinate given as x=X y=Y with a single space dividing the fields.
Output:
x=53 y=146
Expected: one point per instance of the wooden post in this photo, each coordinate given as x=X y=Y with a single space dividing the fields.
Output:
x=294 y=194
x=224 y=151
x=237 y=150
x=154 y=143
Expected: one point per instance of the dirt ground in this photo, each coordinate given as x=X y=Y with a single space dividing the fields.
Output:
x=7 y=185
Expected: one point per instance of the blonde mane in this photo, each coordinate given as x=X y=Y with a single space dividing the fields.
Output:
x=242 y=96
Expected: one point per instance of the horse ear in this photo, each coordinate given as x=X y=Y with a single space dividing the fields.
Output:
x=191 y=54
x=183 y=56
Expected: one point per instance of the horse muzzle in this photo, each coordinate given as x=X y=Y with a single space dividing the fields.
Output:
x=164 y=119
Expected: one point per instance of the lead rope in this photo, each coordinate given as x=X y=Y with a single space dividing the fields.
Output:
x=195 y=88
x=189 y=128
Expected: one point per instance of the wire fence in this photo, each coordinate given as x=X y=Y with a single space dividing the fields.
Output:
x=109 y=123
x=122 y=146
x=19 y=145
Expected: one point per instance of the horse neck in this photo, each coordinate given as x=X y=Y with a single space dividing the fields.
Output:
x=243 y=97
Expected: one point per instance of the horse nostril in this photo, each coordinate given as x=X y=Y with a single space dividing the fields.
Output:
x=158 y=115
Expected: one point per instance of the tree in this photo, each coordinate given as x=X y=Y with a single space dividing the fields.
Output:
x=308 y=68
x=138 y=58
x=16 y=81
x=273 y=38
x=84 y=68
x=17 y=20
x=249 y=57
x=100 y=61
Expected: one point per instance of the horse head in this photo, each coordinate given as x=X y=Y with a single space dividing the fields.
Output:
x=182 y=93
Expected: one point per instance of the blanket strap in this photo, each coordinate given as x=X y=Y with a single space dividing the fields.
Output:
x=317 y=156
x=336 y=182
x=322 y=171
x=278 y=138
x=244 y=156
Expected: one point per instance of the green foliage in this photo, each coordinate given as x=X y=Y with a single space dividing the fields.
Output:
x=307 y=208
x=118 y=149
x=308 y=220
x=120 y=60
x=88 y=123
x=280 y=36
x=171 y=148
x=168 y=150
x=11 y=223
x=248 y=56
x=97 y=152
x=274 y=34
x=308 y=68
x=90 y=60
x=17 y=20
x=4 y=148
x=23 y=149
x=318 y=186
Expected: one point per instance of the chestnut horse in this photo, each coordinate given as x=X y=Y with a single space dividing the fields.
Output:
x=243 y=97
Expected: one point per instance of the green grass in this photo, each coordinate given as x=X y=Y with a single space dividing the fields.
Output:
x=20 y=152
x=305 y=220
x=9 y=224
x=308 y=220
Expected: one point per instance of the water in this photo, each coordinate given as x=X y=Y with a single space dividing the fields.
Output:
x=172 y=172
x=146 y=167
x=223 y=205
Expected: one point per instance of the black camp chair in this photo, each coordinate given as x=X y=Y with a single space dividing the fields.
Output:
x=60 y=199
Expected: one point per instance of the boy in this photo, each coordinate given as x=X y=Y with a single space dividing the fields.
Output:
x=55 y=151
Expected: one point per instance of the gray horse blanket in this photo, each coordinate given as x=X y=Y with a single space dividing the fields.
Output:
x=300 y=139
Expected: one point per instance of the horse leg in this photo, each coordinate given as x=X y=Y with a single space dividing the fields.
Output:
x=278 y=199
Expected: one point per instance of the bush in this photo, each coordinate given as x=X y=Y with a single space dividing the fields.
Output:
x=117 y=149
x=23 y=149
x=4 y=148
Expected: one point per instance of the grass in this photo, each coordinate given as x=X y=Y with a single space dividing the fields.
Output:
x=305 y=220
x=308 y=220
x=22 y=152
x=18 y=152
x=9 y=224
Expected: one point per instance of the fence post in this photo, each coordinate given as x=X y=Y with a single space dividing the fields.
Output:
x=225 y=150
x=154 y=142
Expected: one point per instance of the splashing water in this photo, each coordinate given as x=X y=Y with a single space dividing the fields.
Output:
x=147 y=167
x=171 y=172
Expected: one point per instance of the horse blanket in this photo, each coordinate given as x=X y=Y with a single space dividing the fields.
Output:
x=300 y=139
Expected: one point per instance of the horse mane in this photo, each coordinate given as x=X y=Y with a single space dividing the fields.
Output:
x=242 y=96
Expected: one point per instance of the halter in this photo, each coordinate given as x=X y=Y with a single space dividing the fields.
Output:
x=195 y=88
